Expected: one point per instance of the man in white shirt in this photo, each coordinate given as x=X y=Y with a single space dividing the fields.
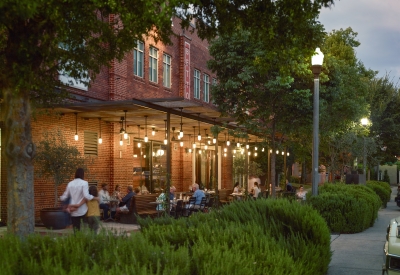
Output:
x=76 y=191
x=104 y=201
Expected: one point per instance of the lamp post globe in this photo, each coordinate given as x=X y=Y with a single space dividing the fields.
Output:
x=364 y=122
x=316 y=62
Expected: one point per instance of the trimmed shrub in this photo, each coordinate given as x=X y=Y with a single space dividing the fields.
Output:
x=252 y=237
x=383 y=184
x=347 y=208
x=381 y=191
x=263 y=236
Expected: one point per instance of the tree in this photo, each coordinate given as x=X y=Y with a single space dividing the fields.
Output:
x=38 y=40
x=41 y=38
x=57 y=159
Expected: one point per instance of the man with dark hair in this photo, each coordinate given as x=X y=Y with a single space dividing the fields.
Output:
x=104 y=201
x=76 y=191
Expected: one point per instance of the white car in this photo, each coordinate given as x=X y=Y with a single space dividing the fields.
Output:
x=391 y=248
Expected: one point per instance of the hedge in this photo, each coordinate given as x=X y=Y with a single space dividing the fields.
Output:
x=347 y=208
x=253 y=237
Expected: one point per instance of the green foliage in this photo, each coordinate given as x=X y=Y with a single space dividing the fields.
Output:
x=382 y=189
x=253 y=237
x=386 y=177
x=57 y=159
x=288 y=239
x=346 y=208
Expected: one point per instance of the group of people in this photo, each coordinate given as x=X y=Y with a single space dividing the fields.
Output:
x=254 y=191
x=84 y=202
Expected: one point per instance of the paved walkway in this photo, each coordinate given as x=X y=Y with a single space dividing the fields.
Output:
x=116 y=228
x=362 y=253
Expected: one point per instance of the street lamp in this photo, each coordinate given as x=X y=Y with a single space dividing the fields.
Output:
x=316 y=62
x=364 y=122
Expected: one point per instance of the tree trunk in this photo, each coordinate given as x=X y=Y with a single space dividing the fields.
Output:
x=19 y=151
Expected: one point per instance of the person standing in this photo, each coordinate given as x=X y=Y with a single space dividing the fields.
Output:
x=77 y=190
x=105 y=201
x=256 y=190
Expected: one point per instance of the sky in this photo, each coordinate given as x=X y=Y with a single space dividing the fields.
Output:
x=377 y=23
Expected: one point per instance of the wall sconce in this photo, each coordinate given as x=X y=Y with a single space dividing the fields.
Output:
x=76 y=127
x=153 y=131
x=100 y=139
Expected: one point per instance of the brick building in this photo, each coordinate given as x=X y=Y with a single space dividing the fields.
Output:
x=156 y=91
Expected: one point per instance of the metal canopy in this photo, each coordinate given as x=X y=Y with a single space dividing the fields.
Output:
x=156 y=111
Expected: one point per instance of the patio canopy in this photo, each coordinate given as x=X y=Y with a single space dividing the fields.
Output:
x=189 y=113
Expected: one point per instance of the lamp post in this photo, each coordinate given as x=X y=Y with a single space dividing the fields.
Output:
x=316 y=62
x=364 y=122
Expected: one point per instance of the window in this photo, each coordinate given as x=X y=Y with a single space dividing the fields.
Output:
x=90 y=140
x=138 y=59
x=167 y=71
x=153 y=65
x=214 y=81
x=197 y=84
x=206 y=88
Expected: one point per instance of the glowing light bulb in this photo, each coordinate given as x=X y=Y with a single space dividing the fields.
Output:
x=100 y=140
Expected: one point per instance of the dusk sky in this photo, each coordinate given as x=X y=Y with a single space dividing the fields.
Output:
x=377 y=23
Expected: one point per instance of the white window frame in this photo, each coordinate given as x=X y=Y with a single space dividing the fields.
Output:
x=82 y=83
x=196 y=84
x=166 y=70
x=153 y=64
x=206 y=88
x=138 y=59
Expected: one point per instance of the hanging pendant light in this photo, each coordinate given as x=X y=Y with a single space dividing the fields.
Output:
x=199 y=136
x=181 y=132
x=205 y=143
x=165 y=138
x=121 y=142
x=228 y=143
x=194 y=134
x=173 y=134
x=100 y=139
x=214 y=138
x=153 y=131
x=139 y=144
x=146 y=139
x=262 y=150
x=190 y=140
x=76 y=127
x=247 y=145
x=126 y=130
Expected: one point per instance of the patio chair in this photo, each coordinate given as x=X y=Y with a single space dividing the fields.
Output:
x=176 y=211
x=189 y=207
x=209 y=205
x=201 y=206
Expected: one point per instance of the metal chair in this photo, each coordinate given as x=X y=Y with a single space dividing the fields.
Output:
x=177 y=210
x=209 y=205
x=201 y=206
x=187 y=211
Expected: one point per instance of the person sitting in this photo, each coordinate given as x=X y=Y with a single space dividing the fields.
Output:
x=144 y=190
x=161 y=201
x=236 y=187
x=301 y=194
x=104 y=201
x=125 y=203
x=137 y=191
x=289 y=187
x=172 y=190
x=198 y=194
x=117 y=192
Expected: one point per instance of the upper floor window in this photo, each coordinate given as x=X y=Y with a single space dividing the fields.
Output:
x=167 y=70
x=196 y=84
x=138 y=59
x=206 y=87
x=153 y=65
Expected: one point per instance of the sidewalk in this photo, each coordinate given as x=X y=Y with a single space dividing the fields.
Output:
x=114 y=227
x=362 y=253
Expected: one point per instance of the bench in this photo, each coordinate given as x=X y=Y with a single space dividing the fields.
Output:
x=140 y=205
